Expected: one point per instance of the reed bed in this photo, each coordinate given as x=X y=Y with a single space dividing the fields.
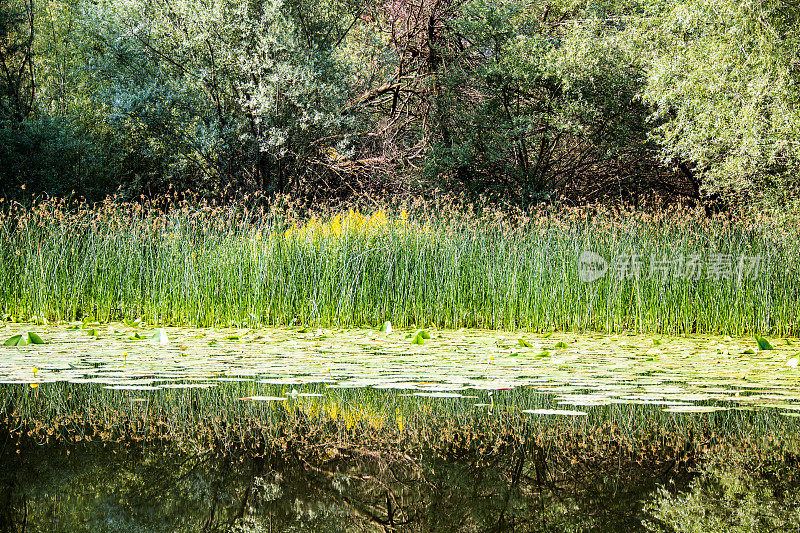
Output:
x=414 y=265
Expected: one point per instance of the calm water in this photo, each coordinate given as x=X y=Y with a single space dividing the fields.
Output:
x=92 y=487
x=701 y=391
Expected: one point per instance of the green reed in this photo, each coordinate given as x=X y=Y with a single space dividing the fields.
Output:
x=439 y=267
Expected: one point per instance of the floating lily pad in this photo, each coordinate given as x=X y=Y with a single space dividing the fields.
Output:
x=763 y=344
x=386 y=327
x=24 y=339
x=160 y=336
x=420 y=336
x=33 y=338
x=16 y=340
x=524 y=343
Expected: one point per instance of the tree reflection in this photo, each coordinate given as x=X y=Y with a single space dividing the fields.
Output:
x=92 y=487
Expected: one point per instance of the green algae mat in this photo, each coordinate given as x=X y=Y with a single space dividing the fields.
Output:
x=579 y=371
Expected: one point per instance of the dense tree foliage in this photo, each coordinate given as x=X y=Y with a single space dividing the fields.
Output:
x=723 y=81
x=524 y=100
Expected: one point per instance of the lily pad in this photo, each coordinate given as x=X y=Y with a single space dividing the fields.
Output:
x=160 y=336
x=24 y=339
x=420 y=337
x=33 y=338
x=16 y=340
x=763 y=344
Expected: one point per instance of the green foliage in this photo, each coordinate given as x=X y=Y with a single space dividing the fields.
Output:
x=17 y=83
x=220 y=266
x=23 y=339
x=509 y=98
x=724 y=81
x=536 y=101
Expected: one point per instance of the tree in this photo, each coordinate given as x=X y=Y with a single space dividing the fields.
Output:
x=249 y=93
x=723 y=78
x=17 y=80
x=512 y=96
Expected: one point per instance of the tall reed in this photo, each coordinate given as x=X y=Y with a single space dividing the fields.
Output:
x=427 y=266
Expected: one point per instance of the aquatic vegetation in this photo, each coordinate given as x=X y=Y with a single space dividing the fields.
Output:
x=416 y=266
x=581 y=369
x=206 y=390
x=601 y=415
x=22 y=339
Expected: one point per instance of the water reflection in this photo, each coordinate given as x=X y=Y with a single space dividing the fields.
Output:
x=92 y=487
x=104 y=487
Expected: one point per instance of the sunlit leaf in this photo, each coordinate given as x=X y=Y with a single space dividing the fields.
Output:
x=33 y=338
x=763 y=344
x=16 y=340
x=420 y=336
